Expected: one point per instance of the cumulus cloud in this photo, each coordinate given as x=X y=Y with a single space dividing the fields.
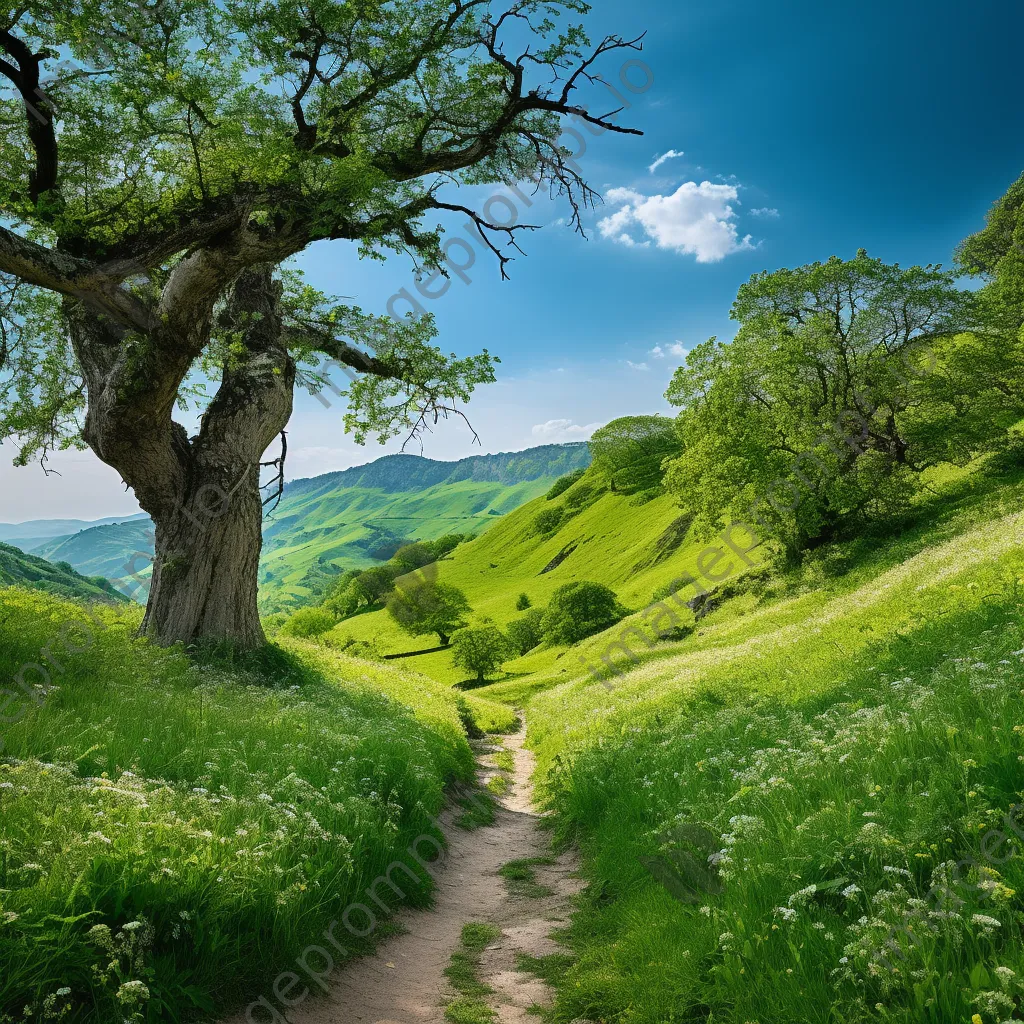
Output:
x=765 y=211
x=696 y=220
x=672 y=154
x=676 y=349
x=557 y=431
x=636 y=366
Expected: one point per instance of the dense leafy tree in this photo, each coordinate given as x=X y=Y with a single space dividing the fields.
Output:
x=421 y=605
x=523 y=602
x=526 y=632
x=631 y=450
x=563 y=483
x=846 y=380
x=579 y=610
x=413 y=556
x=482 y=650
x=151 y=191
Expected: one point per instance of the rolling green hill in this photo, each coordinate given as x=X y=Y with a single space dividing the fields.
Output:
x=347 y=520
x=17 y=568
x=361 y=516
x=630 y=543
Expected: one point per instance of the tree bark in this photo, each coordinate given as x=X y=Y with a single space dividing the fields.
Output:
x=205 y=566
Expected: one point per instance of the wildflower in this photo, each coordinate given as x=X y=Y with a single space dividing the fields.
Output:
x=850 y=891
x=67 y=991
x=132 y=992
x=985 y=921
x=787 y=913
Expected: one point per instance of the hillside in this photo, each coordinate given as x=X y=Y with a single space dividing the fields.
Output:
x=114 y=550
x=35 y=532
x=18 y=568
x=224 y=814
x=361 y=516
x=351 y=519
x=631 y=543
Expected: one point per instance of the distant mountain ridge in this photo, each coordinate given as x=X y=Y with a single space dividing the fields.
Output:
x=398 y=473
x=17 y=568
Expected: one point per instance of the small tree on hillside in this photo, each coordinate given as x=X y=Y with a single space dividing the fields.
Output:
x=482 y=650
x=579 y=610
x=422 y=605
x=522 y=602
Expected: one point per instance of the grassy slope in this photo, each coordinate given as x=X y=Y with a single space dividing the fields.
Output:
x=19 y=568
x=238 y=817
x=309 y=529
x=617 y=538
x=859 y=731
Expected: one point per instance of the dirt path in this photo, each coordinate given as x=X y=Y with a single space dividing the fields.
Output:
x=403 y=982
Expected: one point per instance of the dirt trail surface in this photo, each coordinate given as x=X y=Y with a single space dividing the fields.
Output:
x=403 y=982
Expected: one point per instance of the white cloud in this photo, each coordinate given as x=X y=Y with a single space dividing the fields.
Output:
x=765 y=211
x=557 y=431
x=636 y=366
x=677 y=349
x=696 y=220
x=672 y=154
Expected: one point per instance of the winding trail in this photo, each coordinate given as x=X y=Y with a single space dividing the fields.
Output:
x=403 y=981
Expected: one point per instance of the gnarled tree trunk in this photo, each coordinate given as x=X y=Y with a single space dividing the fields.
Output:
x=203 y=493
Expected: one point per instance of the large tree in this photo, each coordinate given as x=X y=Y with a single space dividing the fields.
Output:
x=152 y=190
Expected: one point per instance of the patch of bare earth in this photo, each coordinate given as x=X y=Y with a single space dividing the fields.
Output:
x=403 y=982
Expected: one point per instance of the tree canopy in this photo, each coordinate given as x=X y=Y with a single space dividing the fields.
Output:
x=846 y=379
x=630 y=450
x=578 y=610
x=481 y=650
x=421 y=605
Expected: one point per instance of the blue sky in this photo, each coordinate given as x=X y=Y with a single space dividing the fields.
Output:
x=888 y=126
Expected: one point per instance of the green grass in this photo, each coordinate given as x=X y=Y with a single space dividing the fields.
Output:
x=834 y=742
x=463 y=975
x=521 y=879
x=231 y=814
x=552 y=968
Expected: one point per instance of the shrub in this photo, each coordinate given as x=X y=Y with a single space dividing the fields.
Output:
x=547 y=521
x=307 y=622
x=522 y=602
x=481 y=650
x=563 y=483
x=526 y=632
x=579 y=610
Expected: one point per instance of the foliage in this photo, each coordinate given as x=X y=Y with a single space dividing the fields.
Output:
x=547 y=520
x=526 y=632
x=845 y=381
x=422 y=605
x=140 y=786
x=579 y=610
x=307 y=622
x=481 y=650
x=630 y=451
x=563 y=483
x=523 y=602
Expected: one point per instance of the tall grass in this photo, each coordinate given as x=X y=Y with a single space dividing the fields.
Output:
x=192 y=828
x=848 y=749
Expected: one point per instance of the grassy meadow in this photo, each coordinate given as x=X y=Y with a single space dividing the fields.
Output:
x=188 y=827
